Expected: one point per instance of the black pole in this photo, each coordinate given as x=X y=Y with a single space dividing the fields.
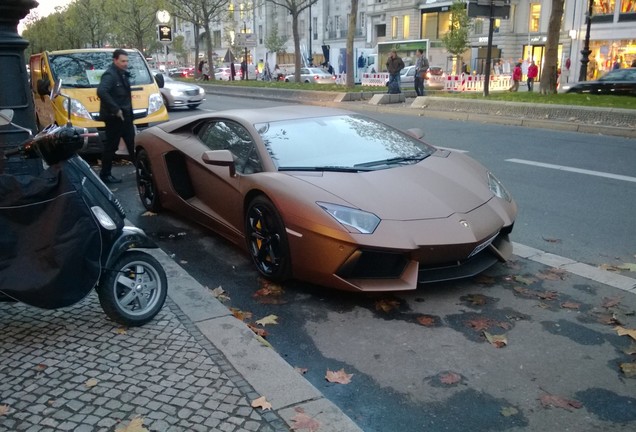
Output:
x=489 y=53
x=15 y=91
x=245 y=32
x=585 y=53
x=311 y=57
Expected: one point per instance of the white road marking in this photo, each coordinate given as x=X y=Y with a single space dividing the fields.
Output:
x=587 y=271
x=576 y=170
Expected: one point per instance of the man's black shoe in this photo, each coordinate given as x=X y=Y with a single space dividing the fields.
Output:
x=109 y=179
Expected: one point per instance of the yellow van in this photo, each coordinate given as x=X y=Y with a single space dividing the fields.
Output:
x=80 y=71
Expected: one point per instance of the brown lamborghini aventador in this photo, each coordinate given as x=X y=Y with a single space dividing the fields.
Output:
x=329 y=196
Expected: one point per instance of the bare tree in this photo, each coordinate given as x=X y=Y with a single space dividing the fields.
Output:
x=189 y=11
x=350 y=35
x=549 y=70
x=295 y=7
x=91 y=13
x=133 y=21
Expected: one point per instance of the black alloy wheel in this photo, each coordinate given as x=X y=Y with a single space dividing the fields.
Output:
x=267 y=240
x=146 y=184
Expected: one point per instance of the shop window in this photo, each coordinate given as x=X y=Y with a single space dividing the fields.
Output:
x=406 y=29
x=604 y=7
x=444 y=24
x=628 y=6
x=394 y=27
x=535 y=17
x=429 y=25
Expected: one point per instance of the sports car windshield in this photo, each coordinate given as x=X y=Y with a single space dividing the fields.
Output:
x=345 y=142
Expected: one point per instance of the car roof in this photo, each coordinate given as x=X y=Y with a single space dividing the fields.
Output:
x=259 y=115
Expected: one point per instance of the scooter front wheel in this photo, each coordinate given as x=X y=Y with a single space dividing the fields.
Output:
x=134 y=290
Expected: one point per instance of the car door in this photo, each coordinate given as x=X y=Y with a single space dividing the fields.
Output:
x=219 y=193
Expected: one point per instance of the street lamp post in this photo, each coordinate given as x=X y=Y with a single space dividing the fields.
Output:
x=585 y=52
x=311 y=56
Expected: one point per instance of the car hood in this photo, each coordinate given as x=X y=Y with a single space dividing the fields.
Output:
x=434 y=188
x=179 y=86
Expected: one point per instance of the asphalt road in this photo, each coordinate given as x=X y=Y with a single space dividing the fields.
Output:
x=420 y=360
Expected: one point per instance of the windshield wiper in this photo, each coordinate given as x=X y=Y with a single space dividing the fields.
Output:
x=329 y=168
x=395 y=160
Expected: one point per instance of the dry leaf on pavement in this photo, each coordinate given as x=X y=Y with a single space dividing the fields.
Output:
x=135 y=425
x=484 y=280
x=426 y=320
x=302 y=422
x=242 y=315
x=610 y=302
x=631 y=350
x=524 y=280
x=570 y=305
x=4 y=410
x=121 y=330
x=622 y=331
x=91 y=383
x=629 y=369
x=340 y=377
x=220 y=294
x=476 y=299
x=386 y=305
x=547 y=295
x=259 y=331
x=553 y=274
x=269 y=319
x=498 y=341
x=548 y=400
x=509 y=411
x=450 y=378
x=261 y=402
x=480 y=324
x=301 y=370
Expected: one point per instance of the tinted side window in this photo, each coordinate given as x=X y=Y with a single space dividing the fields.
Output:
x=226 y=135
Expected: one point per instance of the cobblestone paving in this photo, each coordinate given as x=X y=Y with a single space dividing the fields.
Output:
x=74 y=370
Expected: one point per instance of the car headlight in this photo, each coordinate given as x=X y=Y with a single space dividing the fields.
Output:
x=175 y=92
x=353 y=219
x=497 y=188
x=155 y=102
x=201 y=91
x=79 y=110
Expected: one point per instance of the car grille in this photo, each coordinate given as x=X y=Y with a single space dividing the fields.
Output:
x=192 y=92
x=373 y=264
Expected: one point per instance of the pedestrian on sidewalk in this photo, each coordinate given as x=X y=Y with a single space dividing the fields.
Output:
x=421 y=69
x=533 y=71
x=206 y=71
x=516 y=78
x=394 y=65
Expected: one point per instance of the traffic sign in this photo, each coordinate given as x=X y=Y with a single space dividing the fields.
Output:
x=164 y=33
x=246 y=40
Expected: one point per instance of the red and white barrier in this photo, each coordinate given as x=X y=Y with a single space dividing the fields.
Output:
x=475 y=83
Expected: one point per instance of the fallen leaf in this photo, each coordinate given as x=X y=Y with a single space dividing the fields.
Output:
x=480 y=324
x=509 y=411
x=40 y=367
x=149 y=213
x=629 y=369
x=551 y=240
x=552 y=274
x=524 y=280
x=91 y=383
x=259 y=331
x=4 y=410
x=498 y=341
x=220 y=294
x=426 y=320
x=610 y=267
x=121 y=330
x=570 y=305
x=504 y=325
x=622 y=331
x=524 y=291
x=261 y=402
x=476 y=299
x=450 y=378
x=485 y=280
x=544 y=305
x=183 y=262
x=303 y=422
x=547 y=295
x=135 y=425
x=340 y=377
x=269 y=293
x=631 y=350
x=610 y=302
x=386 y=305
x=264 y=342
x=269 y=319
x=548 y=400
x=241 y=314
x=300 y=370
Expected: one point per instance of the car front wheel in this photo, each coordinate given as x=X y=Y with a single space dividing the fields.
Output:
x=146 y=186
x=267 y=240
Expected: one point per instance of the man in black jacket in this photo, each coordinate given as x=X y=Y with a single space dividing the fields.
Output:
x=116 y=111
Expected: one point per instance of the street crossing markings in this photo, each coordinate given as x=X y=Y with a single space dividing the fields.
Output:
x=575 y=170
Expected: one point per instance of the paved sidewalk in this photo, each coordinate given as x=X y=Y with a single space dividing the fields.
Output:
x=193 y=368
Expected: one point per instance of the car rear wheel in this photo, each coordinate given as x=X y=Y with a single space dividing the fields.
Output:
x=267 y=240
x=146 y=183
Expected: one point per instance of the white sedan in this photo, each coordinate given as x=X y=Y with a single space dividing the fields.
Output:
x=313 y=75
x=180 y=94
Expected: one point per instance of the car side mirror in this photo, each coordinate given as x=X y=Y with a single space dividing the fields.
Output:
x=160 y=81
x=220 y=158
x=43 y=86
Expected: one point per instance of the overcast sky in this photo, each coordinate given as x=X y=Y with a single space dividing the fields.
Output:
x=46 y=7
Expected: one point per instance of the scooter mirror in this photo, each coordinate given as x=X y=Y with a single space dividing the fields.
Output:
x=6 y=116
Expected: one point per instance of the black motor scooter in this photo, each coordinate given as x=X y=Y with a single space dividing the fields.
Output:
x=64 y=233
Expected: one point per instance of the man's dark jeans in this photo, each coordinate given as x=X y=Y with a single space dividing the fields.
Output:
x=115 y=130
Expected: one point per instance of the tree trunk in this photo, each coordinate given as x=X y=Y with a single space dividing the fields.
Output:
x=196 y=50
x=296 y=46
x=550 y=65
x=208 y=42
x=350 y=35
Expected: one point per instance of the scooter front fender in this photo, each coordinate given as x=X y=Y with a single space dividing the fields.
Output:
x=130 y=237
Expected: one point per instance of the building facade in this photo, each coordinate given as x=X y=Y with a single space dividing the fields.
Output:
x=521 y=37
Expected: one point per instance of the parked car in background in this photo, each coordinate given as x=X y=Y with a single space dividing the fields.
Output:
x=180 y=94
x=182 y=72
x=313 y=75
x=223 y=74
x=436 y=77
x=615 y=82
